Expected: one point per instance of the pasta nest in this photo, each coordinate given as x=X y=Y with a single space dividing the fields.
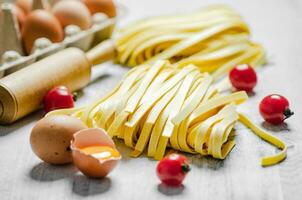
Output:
x=159 y=106
x=214 y=39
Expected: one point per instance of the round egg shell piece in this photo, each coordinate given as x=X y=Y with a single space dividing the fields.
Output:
x=87 y=164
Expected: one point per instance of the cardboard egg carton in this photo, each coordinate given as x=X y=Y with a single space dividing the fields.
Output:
x=11 y=52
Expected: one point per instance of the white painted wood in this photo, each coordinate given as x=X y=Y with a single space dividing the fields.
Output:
x=275 y=23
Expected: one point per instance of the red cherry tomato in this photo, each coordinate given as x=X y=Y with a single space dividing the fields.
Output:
x=243 y=77
x=172 y=169
x=58 y=98
x=275 y=109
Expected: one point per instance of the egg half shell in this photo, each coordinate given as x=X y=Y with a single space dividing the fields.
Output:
x=87 y=164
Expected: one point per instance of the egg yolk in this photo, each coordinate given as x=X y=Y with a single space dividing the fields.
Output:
x=101 y=152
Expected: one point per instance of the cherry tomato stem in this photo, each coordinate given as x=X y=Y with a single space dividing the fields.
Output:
x=75 y=96
x=185 y=168
x=288 y=113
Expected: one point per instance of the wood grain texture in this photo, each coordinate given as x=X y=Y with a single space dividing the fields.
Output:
x=275 y=23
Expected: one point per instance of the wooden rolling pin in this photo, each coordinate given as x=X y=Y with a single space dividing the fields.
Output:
x=23 y=91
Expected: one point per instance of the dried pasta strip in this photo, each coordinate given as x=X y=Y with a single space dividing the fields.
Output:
x=175 y=105
x=199 y=136
x=134 y=100
x=150 y=121
x=195 y=94
x=269 y=160
x=193 y=101
x=213 y=103
x=166 y=87
x=219 y=133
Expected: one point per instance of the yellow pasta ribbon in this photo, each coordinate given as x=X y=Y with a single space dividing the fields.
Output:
x=269 y=160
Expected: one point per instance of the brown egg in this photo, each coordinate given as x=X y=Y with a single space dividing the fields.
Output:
x=25 y=5
x=94 y=152
x=41 y=23
x=104 y=6
x=72 y=12
x=51 y=136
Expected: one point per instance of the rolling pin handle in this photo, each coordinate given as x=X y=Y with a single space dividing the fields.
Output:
x=102 y=52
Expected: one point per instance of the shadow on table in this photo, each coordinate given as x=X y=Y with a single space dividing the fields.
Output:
x=7 y=129
x=197 y=160
x=47 y=172
x=275 y=128
x=126 y=151
x=123 y=149
x=205 y=161
x=84 y=186
x=170 y=191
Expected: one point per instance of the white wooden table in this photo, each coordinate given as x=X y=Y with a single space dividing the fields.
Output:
x=277 y=24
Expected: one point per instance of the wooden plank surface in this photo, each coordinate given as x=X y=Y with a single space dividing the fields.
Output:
x=277 y=24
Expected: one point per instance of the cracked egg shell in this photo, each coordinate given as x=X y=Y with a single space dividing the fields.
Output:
x=94 y=164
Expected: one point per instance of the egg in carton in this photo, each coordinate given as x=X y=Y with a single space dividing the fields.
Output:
x=101 y=29
x=11 y=51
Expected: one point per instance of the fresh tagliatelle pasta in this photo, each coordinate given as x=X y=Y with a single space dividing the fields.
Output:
x=214 y=39
x=159 y=106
